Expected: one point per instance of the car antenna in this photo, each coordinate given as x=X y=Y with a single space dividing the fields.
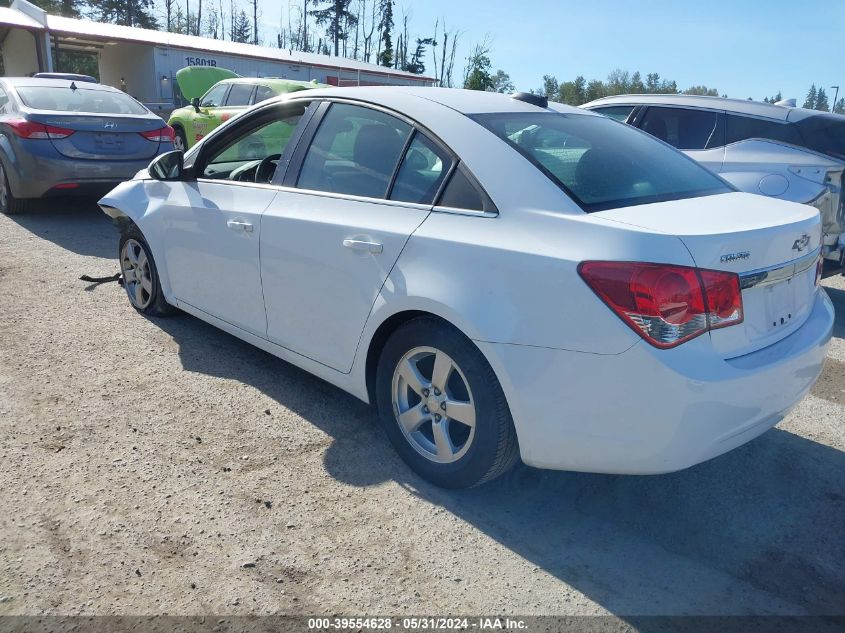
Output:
x=73 y=85
x=537 y=100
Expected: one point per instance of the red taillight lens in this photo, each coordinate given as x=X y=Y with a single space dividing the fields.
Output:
x=163 y=134
x=33 y=130
x=665 y=304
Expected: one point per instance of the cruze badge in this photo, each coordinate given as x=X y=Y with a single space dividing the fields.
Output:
x=734 y=257
x=109 y=125
x=801 y=243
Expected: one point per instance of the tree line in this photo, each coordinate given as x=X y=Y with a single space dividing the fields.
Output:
x=375 y=31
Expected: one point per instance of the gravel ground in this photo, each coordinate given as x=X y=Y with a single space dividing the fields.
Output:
x=161 y=466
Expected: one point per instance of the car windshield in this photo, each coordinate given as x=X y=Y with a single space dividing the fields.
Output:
x=824 y=133
x=600 y=163
x=63 y=99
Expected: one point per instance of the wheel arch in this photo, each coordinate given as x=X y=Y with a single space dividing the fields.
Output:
x=390 y=323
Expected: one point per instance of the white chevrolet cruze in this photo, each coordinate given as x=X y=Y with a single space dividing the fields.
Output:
x=503 y=277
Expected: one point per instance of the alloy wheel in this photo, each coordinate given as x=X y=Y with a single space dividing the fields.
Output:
x=178 y=143
x=433 y=405
x=137 y=277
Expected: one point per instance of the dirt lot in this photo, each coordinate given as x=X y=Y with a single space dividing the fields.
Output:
x=161 y=466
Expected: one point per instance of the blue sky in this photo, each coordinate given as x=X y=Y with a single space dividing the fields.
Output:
x=744 y=48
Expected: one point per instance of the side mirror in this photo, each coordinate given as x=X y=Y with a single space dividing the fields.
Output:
x=168 y=166
x=196 y=103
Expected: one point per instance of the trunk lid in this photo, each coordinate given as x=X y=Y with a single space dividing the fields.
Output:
x=772 y=244
x=195 y=81
x=103 y=136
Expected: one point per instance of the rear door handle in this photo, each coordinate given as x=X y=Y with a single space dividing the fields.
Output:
x=239 y=225
x=363 y=246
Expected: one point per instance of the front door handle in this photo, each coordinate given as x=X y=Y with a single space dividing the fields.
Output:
x=239 y=225
x=364 y=246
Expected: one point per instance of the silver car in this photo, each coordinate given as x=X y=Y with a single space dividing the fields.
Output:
x=59 y=137
x=779 y=151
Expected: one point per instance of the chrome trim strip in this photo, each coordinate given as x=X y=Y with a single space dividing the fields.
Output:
x=471 y=212
x=778 y=273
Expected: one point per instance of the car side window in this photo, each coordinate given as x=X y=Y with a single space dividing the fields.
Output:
x=461 y=193
x=355 y=151
x=740 y=128
x=214 y=97
x=4 y=101
x=262 y=93
x=252 y=154
x=618 y=113
x=239 y=95
x=422 y=171
x=681 y=127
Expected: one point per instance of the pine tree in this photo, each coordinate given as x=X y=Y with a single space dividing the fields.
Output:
x=338 y=18
x=126 y=13
x=840 y=106
x=385 y=27
x=821 y=101
x=810 y=101
x=241 y=30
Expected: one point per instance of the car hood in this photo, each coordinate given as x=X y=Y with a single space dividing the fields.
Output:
x=194 y=81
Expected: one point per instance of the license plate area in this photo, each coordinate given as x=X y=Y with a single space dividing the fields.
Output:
x=780 y=303
x=105 y=140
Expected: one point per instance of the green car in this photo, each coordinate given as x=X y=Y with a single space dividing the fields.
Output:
x=224 y=94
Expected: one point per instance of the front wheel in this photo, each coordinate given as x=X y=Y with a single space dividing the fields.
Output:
x=140 y=276
x=180 y=142
x=442 y=406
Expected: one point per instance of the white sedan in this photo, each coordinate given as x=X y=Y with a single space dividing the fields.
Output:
x=504 y=278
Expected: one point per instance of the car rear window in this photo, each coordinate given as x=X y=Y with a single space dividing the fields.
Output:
x=600 y=163
x=740 y=128
x=824 y=133
x=61 y=99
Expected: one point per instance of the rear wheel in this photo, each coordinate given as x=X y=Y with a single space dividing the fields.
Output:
x=140 y=276
x=9 y=205
x=442 y=406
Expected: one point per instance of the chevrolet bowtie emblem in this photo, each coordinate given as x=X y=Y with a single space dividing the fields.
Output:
x=801 y=243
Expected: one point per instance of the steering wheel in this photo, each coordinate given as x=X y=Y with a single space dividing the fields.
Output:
x=266 y=168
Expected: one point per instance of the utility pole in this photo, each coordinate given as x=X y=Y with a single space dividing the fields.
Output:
x=833 y=105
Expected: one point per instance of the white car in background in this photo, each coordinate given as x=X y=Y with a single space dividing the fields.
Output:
x=502 y=277
x=779 y=151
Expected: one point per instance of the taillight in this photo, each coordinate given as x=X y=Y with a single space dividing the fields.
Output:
x=666 y=304
x=34 y=130
x=160 y=135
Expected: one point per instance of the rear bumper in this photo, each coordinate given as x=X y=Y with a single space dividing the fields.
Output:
x=34 y=175
x=649 y=411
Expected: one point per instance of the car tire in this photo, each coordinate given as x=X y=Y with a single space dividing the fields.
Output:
x=140 y=275
x=180 y=141
x=9 y=204
x=416 y=408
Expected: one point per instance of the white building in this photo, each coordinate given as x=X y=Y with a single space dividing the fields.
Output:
x=144 y=62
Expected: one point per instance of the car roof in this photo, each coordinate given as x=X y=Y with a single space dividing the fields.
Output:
x=460 y=100
x=55 y=83
x=738 y=106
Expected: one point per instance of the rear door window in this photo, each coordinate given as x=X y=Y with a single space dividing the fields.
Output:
x=262 y=93
x=681 y=127
x=61 y=99
x=618 y=113
x=239 y=95
x=355 y=151
x=422 y=171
